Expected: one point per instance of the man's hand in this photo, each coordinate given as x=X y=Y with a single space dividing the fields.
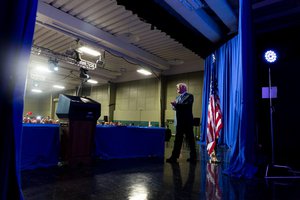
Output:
x=173 y=103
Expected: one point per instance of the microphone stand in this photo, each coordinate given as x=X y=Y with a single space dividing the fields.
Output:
x=276 y=171
x=271 y=116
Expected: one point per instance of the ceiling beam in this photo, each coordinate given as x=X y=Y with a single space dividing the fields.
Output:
x=199 y=19
x=225 y=13
x=54 y=17
x=264 y=3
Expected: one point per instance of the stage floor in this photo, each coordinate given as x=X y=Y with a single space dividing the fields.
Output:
x=151 y=178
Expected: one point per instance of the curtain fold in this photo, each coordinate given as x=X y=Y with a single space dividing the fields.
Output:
x=235 y=75
x=205 y=96
x=17 y=21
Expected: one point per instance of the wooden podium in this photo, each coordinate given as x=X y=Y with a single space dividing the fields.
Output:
x=78 y=117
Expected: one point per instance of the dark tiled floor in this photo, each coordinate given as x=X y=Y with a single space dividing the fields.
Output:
x=151 y=178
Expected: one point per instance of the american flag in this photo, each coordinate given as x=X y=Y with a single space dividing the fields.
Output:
x=213 y=190
x=214 y=118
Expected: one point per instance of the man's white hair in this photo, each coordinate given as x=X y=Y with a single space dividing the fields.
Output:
x=182 y=85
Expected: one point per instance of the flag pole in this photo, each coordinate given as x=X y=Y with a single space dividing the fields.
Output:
x=212 y=145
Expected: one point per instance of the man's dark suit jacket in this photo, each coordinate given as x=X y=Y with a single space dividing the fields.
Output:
x=184 y=110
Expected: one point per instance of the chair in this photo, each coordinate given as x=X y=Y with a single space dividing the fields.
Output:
x=168 y=135
x=197 y=127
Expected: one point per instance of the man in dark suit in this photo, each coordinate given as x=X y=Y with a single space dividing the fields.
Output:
x=183 y=105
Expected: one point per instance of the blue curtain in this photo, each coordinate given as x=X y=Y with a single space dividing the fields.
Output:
x=17 y=21
x=205 y=95
x=235 y=75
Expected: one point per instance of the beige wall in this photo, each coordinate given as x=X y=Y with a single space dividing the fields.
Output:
x=100 y=94
x=38 y=104
x=137 y=101
x=194 y=82
x=134 y=100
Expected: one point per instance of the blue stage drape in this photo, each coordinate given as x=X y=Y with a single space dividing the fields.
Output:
x=205 y=95
x=235 y=76
x=17 y=21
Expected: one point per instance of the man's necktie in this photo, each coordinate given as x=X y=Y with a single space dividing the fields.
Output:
x=179 y=99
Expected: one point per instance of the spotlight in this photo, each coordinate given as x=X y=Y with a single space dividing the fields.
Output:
x=83 y=73
x=100 y=61
x=53 y=64
x=39 y=51
x=77 y=56
x=270 y=56
x=35 y=84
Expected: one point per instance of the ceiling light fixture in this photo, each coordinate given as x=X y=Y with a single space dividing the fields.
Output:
x=35 y=84
x=43 y=69
x=36 y=91
x=89 y=51
x=53 y=64
x=92 y=81
x=144 y=72
x=59 y=87
x=100 y=61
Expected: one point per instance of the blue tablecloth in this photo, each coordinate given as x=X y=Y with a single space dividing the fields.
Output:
x=40 y=145
x=129 y=142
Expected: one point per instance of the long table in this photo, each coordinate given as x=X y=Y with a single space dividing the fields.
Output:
x=40 y=143
x=129 y=142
